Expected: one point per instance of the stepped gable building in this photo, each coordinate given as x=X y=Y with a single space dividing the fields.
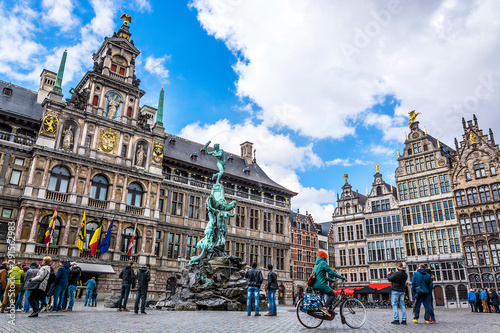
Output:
x=383 y=231
x=475 y=184
x=430 y=228
x=349 y=239
x=102 y=153
x=303 y=247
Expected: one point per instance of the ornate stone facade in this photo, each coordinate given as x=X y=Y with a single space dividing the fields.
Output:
x=476 y=184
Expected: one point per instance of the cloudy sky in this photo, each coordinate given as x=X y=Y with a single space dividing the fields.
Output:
x=320 y=87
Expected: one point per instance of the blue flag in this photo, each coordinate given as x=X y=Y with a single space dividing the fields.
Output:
x=107 y=239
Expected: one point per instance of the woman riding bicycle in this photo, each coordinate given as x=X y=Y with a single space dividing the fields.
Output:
x=321 y=268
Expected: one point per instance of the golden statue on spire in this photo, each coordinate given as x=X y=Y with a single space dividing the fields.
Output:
x=345 y=177
x=376 y=167
x=412 y=115
x=126 y=18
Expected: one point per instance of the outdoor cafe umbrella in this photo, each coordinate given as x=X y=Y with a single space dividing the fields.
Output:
x=365 y=291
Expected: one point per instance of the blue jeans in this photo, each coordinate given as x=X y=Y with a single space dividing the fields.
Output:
x=88 y=297
x=398 y=298
x=424 y=299
x=271 y=299
x=58 y=297
x=71 y=292
x=26 y=302
x=125 y=291
x=256 y=292
x=19 y=301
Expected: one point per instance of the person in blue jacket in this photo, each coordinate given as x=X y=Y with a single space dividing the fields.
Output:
x=472 y=300
x=421 y=287
x=91 y=285
x=61 y=283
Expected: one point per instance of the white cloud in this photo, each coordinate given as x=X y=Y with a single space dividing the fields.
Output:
x=442 y=62
x=59 y=13
x=156 y=66
x=346 y=162
x=142 y=6
x=381 y=150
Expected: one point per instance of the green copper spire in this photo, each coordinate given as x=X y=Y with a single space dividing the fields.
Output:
x=60 y=73
x=159 y=114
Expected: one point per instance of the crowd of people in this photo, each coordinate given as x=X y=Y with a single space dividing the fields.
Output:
x=483 y=300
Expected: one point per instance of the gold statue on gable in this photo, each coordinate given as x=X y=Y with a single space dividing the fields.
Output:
x=412 y=115
x=472 y=137
x=126 y=18
x=376 y=167
x=345 y=177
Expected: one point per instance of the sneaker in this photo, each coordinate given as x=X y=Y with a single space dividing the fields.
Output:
x=67 y=310
x=432 y=320
x=136 y=312
x=415 y=320
x=143 y=312
x=125 y=310
x=325 y=311
x=257 y=315
x=403 y=322
x=395 y=322
x=119 y=310
x=33 y=315
x=249 y=314
x=427 y=321
x=268 y=314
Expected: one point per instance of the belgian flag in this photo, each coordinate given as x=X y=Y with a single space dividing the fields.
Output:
x=96 y=239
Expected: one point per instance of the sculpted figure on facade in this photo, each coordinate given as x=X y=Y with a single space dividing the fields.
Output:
x=139 y=156
x=67 y=137
x=113 y=107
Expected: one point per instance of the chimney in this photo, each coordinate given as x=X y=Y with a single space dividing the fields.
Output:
x=246 y=152
x=47 y=81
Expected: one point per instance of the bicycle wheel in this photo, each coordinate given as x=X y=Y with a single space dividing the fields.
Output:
x=353 y=312
x=307 y=320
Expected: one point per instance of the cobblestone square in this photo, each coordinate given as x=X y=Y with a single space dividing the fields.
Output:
x=101 y=319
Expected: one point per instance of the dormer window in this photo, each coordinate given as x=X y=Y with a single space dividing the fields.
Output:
x=194 y=156
x=230 y=159
x=247 y=171
x=172 y=142
x=7 y=92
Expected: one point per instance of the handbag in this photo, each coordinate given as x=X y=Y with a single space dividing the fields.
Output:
x=312 y=278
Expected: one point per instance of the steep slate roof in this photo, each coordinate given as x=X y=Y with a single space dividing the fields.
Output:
x=293 y=221
x=325 y=228
x=183 y=149
x=22 y=102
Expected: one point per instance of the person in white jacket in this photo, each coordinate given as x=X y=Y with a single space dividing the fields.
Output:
x=41 y=279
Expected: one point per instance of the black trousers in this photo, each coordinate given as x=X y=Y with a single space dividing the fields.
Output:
x=34 y=299
x=330 y=299
x=141 y=296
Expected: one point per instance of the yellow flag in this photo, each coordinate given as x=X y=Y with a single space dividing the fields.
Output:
x=82 y=234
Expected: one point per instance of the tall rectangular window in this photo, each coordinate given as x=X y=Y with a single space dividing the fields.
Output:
x=268 y=255
x=174 y=242
x=341 y=234
x=352 y=257
x=240 y=216
x=280 y=224
x=350 y=232
x=191 y=246
x=254 y=219
x=239 y=250
x=266 y=221
x=359 y=231
x=254 y=254
x=445 y=183
x=177 y=203
x=194 y=207
x=300 y=273
x=343 y=258
x=15 y=176
x=280 y=259
x=361 y=256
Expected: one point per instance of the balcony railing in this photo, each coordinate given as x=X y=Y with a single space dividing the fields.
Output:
x=17 y=138
x=134 y=210
x=40 y=249
x=116 y=76
x=125 y=257
x=86 y=254
x=56 y=196
x=98 y=203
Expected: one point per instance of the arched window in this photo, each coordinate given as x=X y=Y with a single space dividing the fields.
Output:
x=477 y=223
x=134 y=196
x=470 y=254
x=460 y=198
x=450 y=293
x=489 y=221
x=95 y=100
x=44 y=225
x=495 y=251
x=129 y=111
x=462 y=292
x=488 y=281
x=465 y=224
x=472 y=196
x=59 y=179
x=482 y=253
x=126 y=237
x=90 y=231
x=99 y=187
x=379 y=190
x=475 y=281
x=348 y=209
x=484 y=193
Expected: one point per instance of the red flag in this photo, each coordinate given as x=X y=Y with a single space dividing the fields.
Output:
x=131 y=243
x=50 y=229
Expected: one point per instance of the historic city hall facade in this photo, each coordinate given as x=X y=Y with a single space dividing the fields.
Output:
x=102 y=153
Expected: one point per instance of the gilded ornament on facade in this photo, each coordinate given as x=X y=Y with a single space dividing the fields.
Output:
x=49 y=124
x=412 y=115
x=472 y=137
x=107 y=141
x=157 y=152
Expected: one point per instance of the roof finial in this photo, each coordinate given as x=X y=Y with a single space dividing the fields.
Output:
x=159 y=113
x=57 y=86
x=126 y=18
x=345 y=177
x=376 y=167
x=398 y=154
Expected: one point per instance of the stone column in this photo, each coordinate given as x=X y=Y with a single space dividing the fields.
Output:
x=87 y=182
x=46 y=172
x=157 y=204
x=124 y=191
x=77 y=175
x=34 y=226
x=148 y=195
x=143 y=242
x=5 y=166
x=153 y=242
x=84 y=135
x=19 y=226
x=66 y=230
x=118 y=236
x=32 y=170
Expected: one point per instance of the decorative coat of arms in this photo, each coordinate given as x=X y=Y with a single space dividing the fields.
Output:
x=107 y=141
x=49 y=124
x=158 y=153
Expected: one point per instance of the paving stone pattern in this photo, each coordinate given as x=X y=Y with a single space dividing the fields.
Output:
x=102 y=319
